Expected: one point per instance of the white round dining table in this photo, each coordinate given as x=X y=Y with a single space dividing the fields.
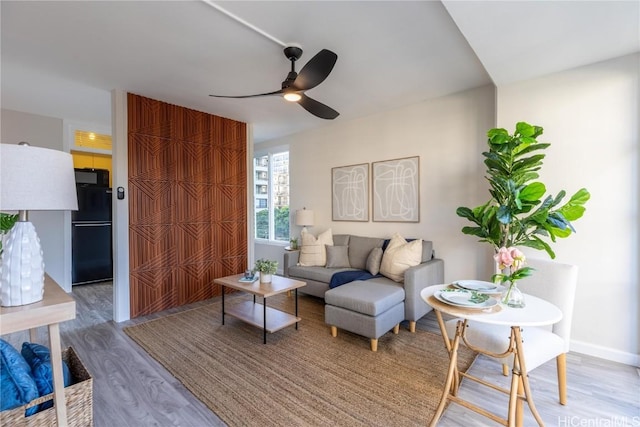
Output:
x=537 y=312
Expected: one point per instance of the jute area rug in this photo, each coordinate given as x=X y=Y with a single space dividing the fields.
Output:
x=300 y=377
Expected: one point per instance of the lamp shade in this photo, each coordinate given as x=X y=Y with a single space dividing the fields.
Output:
x=35 y=178
x=304 y=217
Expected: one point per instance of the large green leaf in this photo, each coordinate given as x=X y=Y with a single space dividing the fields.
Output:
x=533 y=191
x=465 y=213
x=540 y=245
x=488 y=216
x=496 y=165
x=580 y=197
x=474 y=231
x=531 y=148
x=524 y=143
x=563 y=234
x=525 y=129
x=572 y=212
x=498 y=136
x=528 y=162
x=478 y=211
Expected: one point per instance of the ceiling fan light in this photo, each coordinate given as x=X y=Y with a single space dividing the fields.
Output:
x=292 y=96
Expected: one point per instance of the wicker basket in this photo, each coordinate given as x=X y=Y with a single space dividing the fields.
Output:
x=79 y=399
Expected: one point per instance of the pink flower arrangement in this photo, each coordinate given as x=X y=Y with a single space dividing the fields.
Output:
x=513 y=259
x=510 y=257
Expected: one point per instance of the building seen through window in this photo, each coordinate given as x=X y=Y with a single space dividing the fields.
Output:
x=271 y=193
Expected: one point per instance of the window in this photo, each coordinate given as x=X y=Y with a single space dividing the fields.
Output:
x=271 y=194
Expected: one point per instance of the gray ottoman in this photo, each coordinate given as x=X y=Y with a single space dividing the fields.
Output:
x=365 y=307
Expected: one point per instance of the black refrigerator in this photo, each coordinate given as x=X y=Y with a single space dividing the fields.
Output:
x=91 y=239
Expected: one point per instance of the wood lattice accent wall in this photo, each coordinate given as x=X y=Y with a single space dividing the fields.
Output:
x=187 y=203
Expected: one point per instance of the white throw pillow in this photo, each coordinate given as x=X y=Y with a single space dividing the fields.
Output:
x=312 y=251
x=399 y=257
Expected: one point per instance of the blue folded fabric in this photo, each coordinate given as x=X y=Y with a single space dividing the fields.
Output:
x=39 y=359
x=17 y=384
x=342 y=277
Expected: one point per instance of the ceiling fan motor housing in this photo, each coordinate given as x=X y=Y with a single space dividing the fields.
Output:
x=293 y=53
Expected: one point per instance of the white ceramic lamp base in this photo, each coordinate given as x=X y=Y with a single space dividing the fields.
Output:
x=22 y=267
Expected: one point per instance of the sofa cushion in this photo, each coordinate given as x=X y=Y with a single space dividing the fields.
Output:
x=312 y=251
x=373 y=261
x=341 y=239
x=370 y=297
x=399 y=256
x=427 y=248
x=360 y=248
x=318 y=274
x=337 y=256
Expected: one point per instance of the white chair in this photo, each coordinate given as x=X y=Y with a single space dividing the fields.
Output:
x=555 y=283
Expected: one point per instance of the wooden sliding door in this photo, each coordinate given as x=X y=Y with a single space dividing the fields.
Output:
x=187 y=203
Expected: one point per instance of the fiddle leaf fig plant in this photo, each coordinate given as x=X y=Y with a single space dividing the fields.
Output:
x=519 y=213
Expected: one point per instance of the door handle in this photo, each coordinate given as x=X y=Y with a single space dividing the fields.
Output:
x=93 y=225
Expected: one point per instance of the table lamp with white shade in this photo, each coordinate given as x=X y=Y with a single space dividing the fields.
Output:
x=31 y=178
x=304 y=218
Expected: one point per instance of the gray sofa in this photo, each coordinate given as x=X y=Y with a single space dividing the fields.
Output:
x=371 y=307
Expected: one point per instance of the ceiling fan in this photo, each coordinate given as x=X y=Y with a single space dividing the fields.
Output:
x=311 y=75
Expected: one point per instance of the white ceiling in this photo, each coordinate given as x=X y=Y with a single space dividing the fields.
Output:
x=62 y=59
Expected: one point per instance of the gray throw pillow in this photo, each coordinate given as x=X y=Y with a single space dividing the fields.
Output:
x=337 y=256
x=373 y=261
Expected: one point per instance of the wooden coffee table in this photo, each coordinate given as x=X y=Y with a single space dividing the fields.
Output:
x=267 y=318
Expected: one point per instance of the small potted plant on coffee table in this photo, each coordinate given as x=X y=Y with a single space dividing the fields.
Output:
x=266 y=268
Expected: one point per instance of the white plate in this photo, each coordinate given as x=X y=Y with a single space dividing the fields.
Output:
x=476 y=285
x=461 y=298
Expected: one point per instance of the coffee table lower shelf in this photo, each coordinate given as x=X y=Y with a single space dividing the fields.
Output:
x=253 y=314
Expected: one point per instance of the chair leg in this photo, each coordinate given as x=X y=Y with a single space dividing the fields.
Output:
x=505 y=369
x=334 y=331
x=412 y=325
x=520 y=404
x=396 y=329
x=561 y=364
x=374 y=344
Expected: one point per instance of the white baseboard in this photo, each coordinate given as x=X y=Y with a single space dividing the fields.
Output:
x=605 y=353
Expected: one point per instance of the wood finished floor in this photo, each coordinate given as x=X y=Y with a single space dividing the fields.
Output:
x=132 y=389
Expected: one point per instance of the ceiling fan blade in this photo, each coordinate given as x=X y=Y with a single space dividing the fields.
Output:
x=317 y=108
x=277 y=92
x=316 y=70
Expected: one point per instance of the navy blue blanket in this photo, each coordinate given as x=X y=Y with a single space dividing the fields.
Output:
x=342 y=277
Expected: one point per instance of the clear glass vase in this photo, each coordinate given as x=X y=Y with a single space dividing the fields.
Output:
x=512 y=297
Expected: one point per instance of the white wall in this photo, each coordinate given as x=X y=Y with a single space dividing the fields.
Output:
x=590 y=117
x=446 y=133
x=41 y=131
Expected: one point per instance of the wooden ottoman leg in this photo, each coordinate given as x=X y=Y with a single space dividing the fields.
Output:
x=396 y=329
x=412 y=326
x=334 y=331
x=374 y=344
